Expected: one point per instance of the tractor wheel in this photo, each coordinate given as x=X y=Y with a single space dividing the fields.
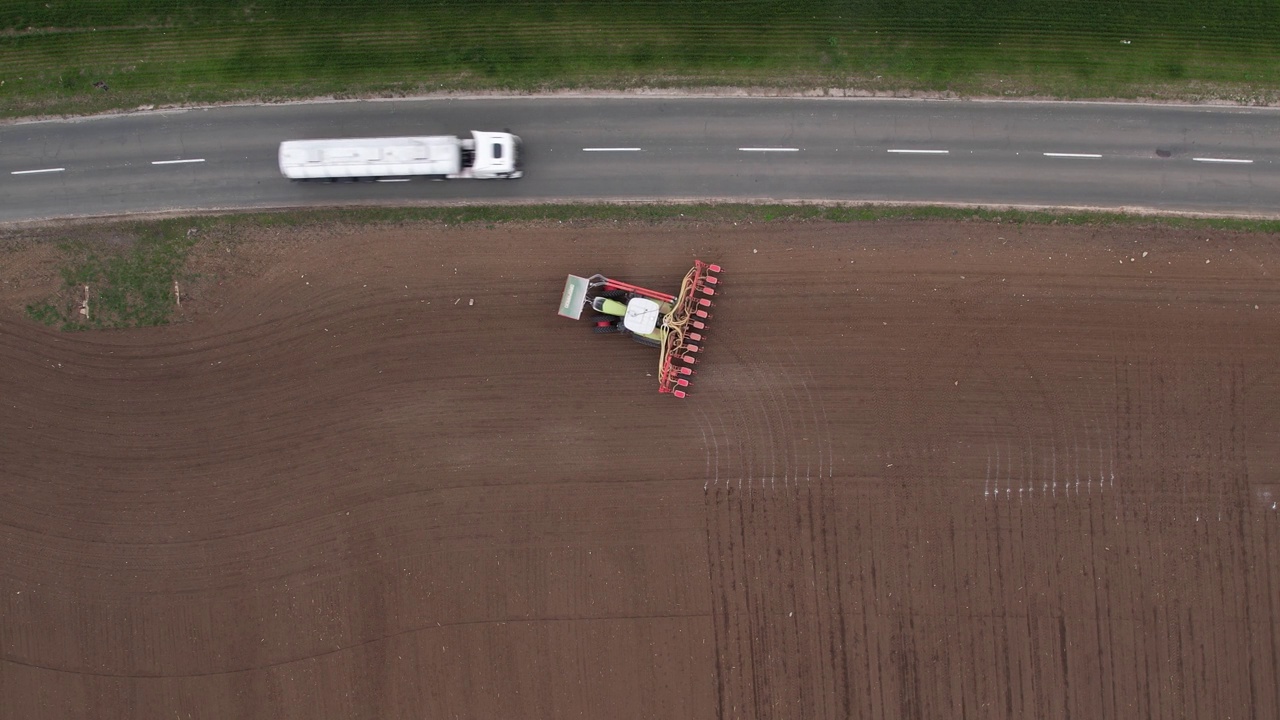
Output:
x=605 y=329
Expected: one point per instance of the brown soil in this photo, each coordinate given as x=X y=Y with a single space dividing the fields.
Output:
x=927 y=471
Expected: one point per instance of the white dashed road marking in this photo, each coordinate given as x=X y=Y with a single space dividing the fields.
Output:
x=1072 y=155
x=610 y=149
x=176 y=162
x=919 y=152
x=764 y=149
x=1223 y=160
x=33 y=172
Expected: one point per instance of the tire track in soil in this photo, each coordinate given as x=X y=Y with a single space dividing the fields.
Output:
x=1192 y=411
x=773 y=572
x=1089 y=446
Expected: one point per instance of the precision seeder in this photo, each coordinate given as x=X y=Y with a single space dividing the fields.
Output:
x=675 y=324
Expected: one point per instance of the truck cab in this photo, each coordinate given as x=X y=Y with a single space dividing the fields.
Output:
x=493 y=155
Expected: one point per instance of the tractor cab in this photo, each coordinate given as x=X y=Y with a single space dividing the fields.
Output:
x=639 y=315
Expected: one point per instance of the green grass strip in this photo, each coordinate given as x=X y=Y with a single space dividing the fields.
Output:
x=732 y=212
x=161 y=52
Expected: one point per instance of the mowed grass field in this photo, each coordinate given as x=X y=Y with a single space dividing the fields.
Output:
x=52 y=52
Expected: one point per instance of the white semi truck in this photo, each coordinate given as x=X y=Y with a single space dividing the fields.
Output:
x=484 y=155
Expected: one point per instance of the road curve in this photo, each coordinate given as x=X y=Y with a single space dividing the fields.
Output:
x=1201 y=159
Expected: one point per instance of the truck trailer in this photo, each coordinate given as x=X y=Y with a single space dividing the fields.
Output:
x=484 y=155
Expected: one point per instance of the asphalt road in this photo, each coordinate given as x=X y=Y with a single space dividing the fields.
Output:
x=1170 y=158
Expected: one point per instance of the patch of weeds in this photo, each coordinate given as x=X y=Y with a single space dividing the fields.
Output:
x=46 y=313
x=130 y=287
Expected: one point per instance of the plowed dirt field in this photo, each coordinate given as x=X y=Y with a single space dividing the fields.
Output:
x=953 y=470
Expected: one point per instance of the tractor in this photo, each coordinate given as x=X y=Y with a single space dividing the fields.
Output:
x=674 y=324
